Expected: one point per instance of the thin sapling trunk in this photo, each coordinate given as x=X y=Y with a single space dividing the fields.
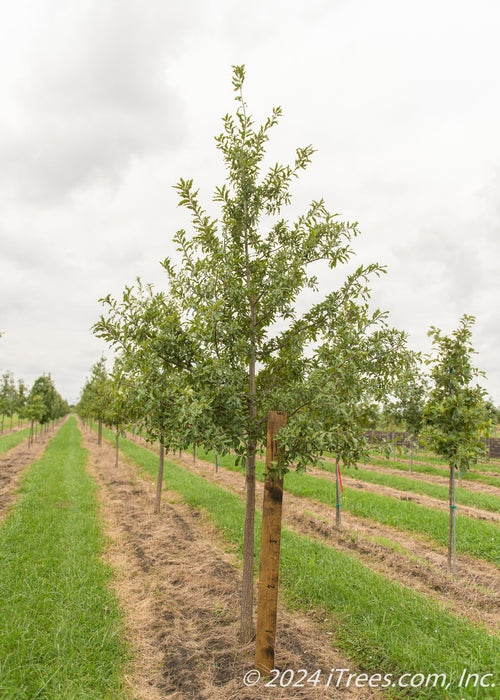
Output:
x=159 y=481
x=452 y=533
x=338 y=518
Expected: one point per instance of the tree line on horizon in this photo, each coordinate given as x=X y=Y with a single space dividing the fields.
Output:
x=41 y=403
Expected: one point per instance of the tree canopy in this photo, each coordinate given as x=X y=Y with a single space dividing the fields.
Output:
x=232 y=339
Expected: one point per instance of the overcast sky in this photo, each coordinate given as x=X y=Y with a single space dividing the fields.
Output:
x=105 y=104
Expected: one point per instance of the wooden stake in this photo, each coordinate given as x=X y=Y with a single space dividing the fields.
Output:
x=270 y=551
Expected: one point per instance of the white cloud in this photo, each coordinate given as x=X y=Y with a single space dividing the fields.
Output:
x=103 y=106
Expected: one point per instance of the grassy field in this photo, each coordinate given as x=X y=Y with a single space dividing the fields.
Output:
x=61 y=632
x=8 y=423
x=405 y=483
x=382 y=624
x=7 y=442
x=475 y=537
x=430 y=469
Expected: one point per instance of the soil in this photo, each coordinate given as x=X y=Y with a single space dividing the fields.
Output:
x=474 y=593
x=14 y=463
x=178 y=583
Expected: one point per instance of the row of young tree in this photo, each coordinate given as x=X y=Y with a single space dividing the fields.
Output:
x=41 y=404
x=244 y=332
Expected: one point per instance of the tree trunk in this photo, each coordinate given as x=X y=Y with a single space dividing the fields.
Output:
x=246 y=619
x=411 y=456
x=194 y=453
x=159 y=481
x=216 y=463
x=338 y=518
x=116 y=449
x=99 y=433
x=269 y=551
x=452 y=535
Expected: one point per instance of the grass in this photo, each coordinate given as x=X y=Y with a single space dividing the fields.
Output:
x=7 y=421
x=7 y=442
x=437 y=471
x=474 y=537
x=405 y=483
x=383 y=625
x=60 y=625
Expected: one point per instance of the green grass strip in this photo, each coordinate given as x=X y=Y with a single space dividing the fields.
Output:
x=7 y=442
x=439 y=461
x=405 y=483
x=60 y=625
x=386 y=627
x=433 y=459
x=476 y=537
x=428 y=469
x=8 y=422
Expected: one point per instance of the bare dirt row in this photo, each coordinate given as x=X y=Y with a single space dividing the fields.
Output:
x=178 y=582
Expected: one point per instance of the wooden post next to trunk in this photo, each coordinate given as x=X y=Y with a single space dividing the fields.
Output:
x=267 y=606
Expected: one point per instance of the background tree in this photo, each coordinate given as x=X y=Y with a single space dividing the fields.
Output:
x=157 y=365
x=456 y=416
x=21 y=398
x=44 y=387
x=360 y=363
x=409 y=407
x=95 y=397
x=8 y=397
x=34 y=412
x=118 y=414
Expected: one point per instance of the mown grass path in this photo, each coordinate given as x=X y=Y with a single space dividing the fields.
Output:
x=383 y=625
x=60 y=627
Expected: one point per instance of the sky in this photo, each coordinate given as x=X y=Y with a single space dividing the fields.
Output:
x=106 y=104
